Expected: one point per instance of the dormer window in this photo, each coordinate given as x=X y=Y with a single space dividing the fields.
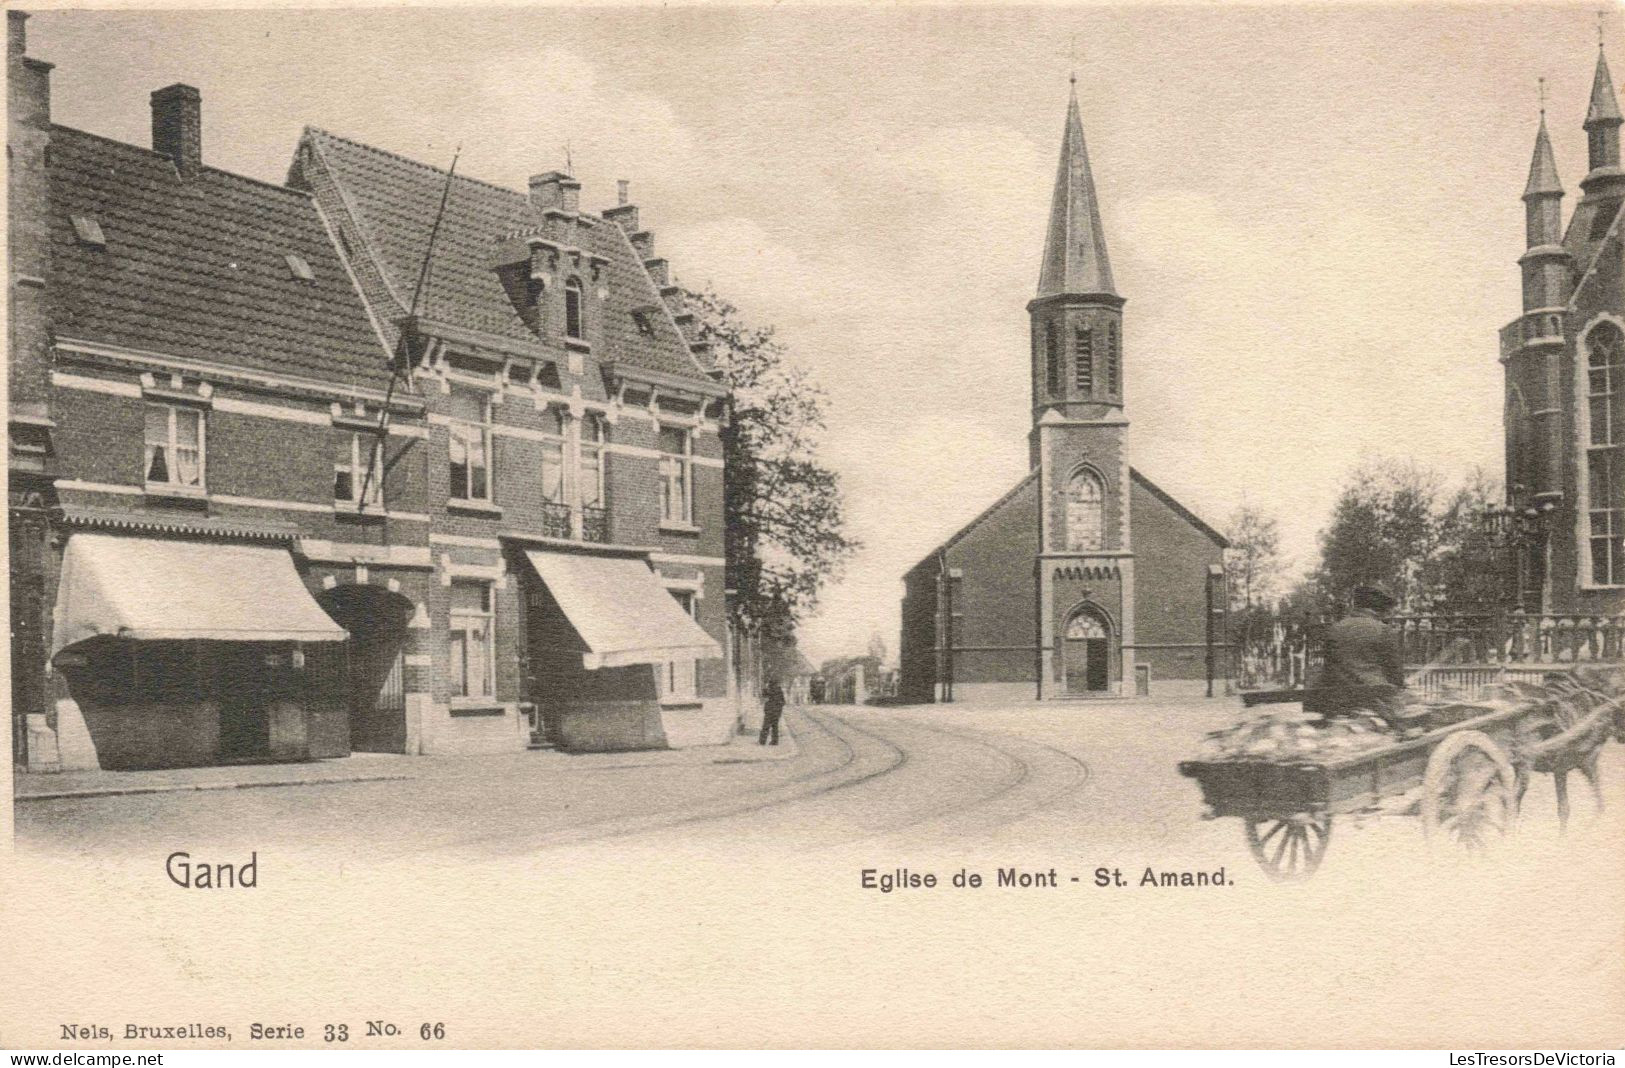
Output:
x=88 y=231
x=645 y=322
x=574 y=324
x=535 y=290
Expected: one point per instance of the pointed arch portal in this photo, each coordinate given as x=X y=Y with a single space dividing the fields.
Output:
x=1087 y=651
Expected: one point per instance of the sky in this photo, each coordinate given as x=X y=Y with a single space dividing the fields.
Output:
x=1312 y=211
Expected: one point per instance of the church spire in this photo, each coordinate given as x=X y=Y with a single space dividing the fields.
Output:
x=1075 y=260
x=1543 y=180
x=1602 y=118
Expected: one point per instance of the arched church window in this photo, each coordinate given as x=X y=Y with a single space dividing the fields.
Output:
x=1085 y=512
x=1114 y=377
x=1052 y=359
x=1605 y=452
x=1083 y=360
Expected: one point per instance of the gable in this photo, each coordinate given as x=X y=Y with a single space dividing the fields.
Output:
x=1178 y=509
x=394 y=201
x=1014 y=499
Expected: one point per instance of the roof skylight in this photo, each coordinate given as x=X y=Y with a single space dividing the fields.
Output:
x=300 y=268
x=88 y=231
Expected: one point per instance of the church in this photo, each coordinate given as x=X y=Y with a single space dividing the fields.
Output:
x=1564 y=363
x=1085 y=579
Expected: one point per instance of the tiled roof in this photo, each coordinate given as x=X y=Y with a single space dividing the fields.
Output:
x=199 y=268
x=395 y=201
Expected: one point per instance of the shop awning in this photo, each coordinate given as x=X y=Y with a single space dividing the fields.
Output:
x=621 y=610
x=160 y=588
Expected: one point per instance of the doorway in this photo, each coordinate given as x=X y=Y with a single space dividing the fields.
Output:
x=1087 y=653
x=245 y=715
x=369 y=670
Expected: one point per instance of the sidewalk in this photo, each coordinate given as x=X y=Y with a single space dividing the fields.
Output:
x=378 y=767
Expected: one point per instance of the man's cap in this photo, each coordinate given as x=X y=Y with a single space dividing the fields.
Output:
x=1373 y=597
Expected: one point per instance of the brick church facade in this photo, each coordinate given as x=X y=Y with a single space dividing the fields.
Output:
x=1085 y=579
x=1564 y=360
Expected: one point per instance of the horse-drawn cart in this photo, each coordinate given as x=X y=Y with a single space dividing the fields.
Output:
x=1462 y=766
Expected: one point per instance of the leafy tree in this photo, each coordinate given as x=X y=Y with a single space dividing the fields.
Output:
x=1395 y=526
x=1466 y=573
x=1383 y=533
x=785 y=536
x=1252 y=564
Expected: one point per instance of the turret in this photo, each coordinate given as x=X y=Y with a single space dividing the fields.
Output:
x=1546 y=264
x=1602 y=136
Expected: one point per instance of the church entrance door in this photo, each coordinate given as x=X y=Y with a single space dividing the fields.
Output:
x=1088 y=647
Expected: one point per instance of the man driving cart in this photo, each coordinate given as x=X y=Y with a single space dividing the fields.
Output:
x=1364 y=669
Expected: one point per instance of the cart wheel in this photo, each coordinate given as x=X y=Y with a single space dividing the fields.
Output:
x=1469 y=792
x=1290 y=849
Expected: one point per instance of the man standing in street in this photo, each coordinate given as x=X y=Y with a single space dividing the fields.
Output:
x=772 y=709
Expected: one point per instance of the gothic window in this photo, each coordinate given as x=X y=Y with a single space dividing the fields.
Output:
x=1085 y=513
x=1052 y=359
x=1114 y=377
x=1605 y=453
x=1083 y=360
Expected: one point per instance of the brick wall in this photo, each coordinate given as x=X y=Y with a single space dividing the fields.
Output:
x=1170 y=585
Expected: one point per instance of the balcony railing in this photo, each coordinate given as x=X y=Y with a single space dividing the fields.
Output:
x=595 y=524
x=556 y=520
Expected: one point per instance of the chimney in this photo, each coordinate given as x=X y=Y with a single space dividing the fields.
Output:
x=16 y=33
x=623 y=192
x=177 y=127
x=28 y=80
x=555 y=191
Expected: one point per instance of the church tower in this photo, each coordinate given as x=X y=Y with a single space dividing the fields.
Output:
x=1085 y=563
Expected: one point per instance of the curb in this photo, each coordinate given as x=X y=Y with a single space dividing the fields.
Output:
x=126 y=791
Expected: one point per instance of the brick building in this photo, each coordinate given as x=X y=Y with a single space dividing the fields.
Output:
x=575 y=467
x=1564 y=361
x=1085 y=578
x=259 y=511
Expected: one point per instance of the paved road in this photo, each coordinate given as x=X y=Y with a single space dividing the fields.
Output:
x=1080 y=785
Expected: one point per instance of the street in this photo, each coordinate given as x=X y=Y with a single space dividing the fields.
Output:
x=537 y=903
x=1068 y=782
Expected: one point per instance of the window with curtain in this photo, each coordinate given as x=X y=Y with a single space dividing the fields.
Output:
x=593 y=438
x=470 y=444
x=1605 y=453
x=553 y=448
x=357 y=453
x=676 y=474
x=174 y=440
x=472 y=661
x=1085 y=512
